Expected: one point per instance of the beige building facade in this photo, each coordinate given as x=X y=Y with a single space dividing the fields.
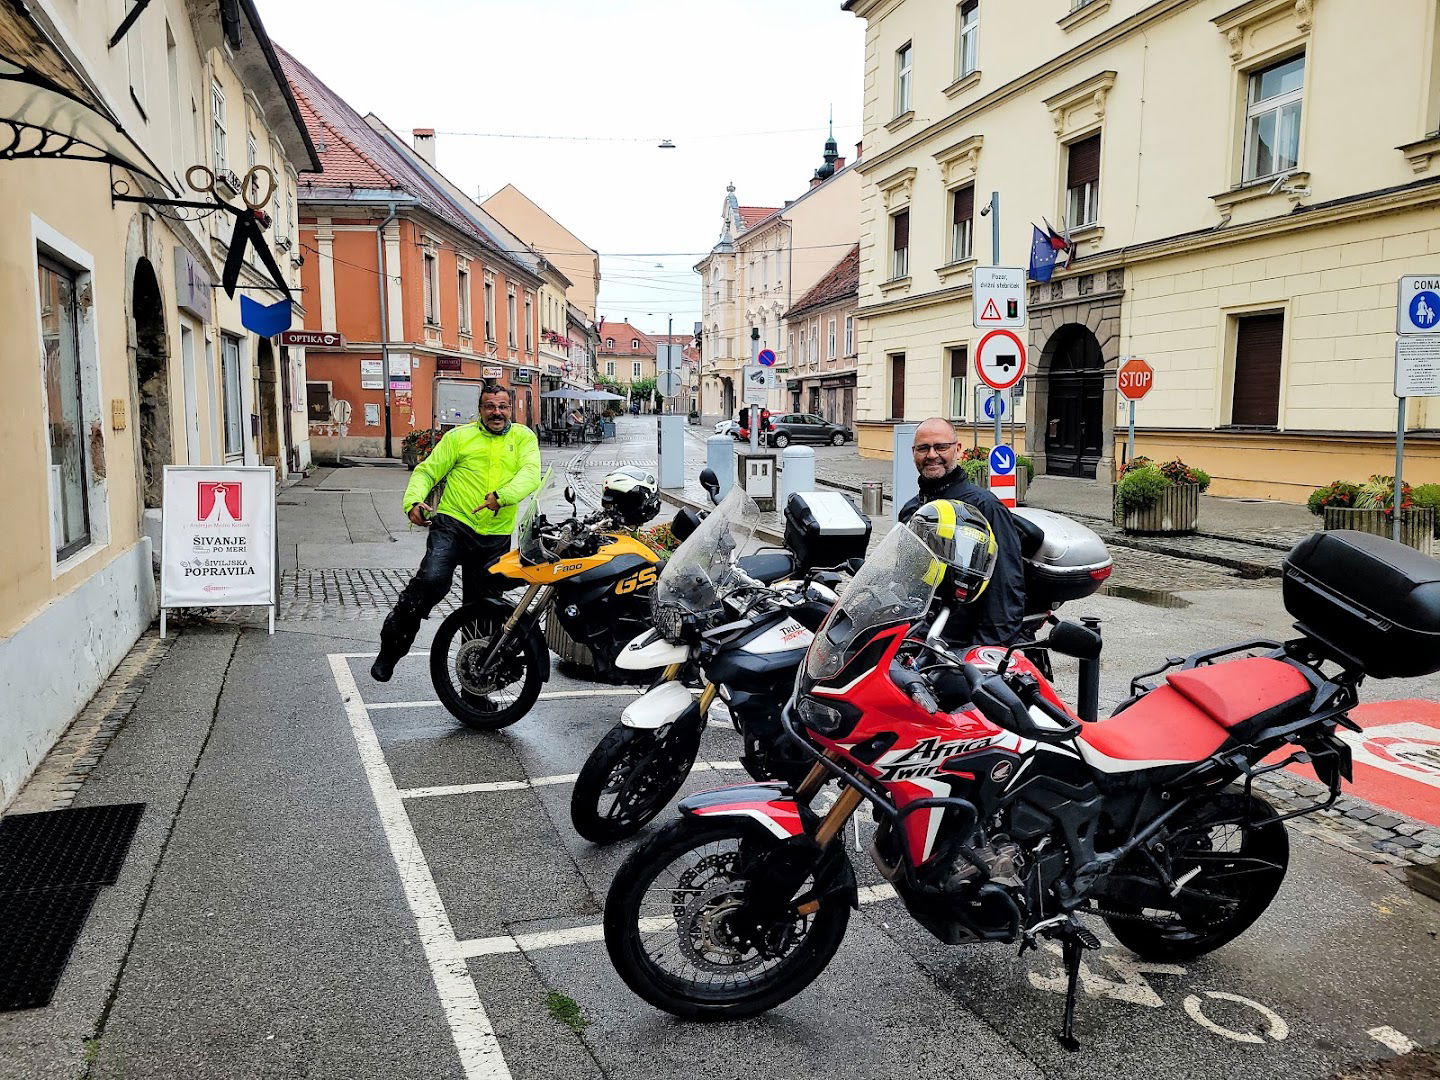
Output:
x=1244 y=185
x=766 y=259
x=127 y=356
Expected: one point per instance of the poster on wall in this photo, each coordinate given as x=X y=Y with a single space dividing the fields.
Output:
x=372 y=374
x=218 y=538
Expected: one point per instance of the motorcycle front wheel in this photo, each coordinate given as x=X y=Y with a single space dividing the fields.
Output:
x=670 y=935
x=482 y=693
x=629 y=778
x=1229 y=870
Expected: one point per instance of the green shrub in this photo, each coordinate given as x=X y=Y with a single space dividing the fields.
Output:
x=1177 y=472
x=1140 y=488
x=1338 y=493
x=1140 y=461
x=1429 y=495
x=976 y=471
x=1378 y=493
x=1028 y=465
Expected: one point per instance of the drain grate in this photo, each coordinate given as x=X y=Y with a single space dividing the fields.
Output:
x=80 y=846
x=38 y=930
x=52 y=866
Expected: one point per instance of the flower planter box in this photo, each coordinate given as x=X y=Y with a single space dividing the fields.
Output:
x=1417 y=525
x=1176 y=511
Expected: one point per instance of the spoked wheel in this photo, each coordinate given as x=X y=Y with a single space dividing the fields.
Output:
x=629 y=778
x=674 y=934
x=1229 y=872
x=482 y=691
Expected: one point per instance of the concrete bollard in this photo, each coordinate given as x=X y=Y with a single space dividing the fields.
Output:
x=720 y=456
x=797 y=472
x=904 y=480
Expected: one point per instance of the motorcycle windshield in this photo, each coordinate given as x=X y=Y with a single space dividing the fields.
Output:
x=527 y=540
x=698 y=574
x=895 y=585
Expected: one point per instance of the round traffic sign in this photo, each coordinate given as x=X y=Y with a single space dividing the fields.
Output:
x=1002 y=461
x=1134 y=379
x=766 y=358
x=991 y=404
x=1424 y=309
x=1000 y=359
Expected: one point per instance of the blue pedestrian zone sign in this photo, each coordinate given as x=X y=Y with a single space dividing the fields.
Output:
x=1002 y=461
x=1424 y=310
x=991 y=404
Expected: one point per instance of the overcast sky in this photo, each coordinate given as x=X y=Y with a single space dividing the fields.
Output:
x=716 y=78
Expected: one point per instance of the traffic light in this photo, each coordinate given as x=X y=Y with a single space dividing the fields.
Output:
x=1012 y=309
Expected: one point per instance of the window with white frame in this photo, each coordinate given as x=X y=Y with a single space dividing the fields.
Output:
x=64 y=394
x=814 y=342
x=635 y=369
x=968 y=46
x=849 y=335
x=610 y=368
x=609 y=343
x=1082 y=182
x=462 y=286
x=489 y=308
x=510 y=317
x=904 y=71
x=230 y=385
x=1272 y=119
x=962 y=223
x=217 y=126
x=634 y=343
x=830 y=341
x=957 y=383
x=800 y=356
x=431 y=285
x=900 y=244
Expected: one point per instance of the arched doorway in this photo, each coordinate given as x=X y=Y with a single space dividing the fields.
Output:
x=152 y=381
x=1074 y=428
x=266 y=392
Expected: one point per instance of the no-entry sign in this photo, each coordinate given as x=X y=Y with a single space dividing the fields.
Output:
x=1134 y=379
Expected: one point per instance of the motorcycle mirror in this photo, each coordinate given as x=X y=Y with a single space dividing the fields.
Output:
x=711 y=483
x=570 y=494
x=1072 y=639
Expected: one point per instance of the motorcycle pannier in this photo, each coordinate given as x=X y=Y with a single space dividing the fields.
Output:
x=823 y=529
x=1072 y=562
x=1372 y=601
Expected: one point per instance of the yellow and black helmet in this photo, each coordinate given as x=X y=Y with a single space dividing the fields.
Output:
x=958 y=536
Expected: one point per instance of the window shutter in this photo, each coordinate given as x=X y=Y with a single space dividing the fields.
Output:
x=1084 y=164
x=1256 y=401
x=957 y=363
x=897 y=386
x=969 y=6
x=964 y=204
x=902 y=230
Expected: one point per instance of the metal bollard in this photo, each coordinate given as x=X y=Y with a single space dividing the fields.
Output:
x=797 y=472
x=872 y=498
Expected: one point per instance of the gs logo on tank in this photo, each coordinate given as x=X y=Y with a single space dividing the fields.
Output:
x=641 y=579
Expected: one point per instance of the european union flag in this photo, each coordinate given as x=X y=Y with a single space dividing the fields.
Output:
x=1042 y=256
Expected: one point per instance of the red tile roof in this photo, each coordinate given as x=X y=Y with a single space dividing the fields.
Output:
x=623 y=333
x=840 y=283
x=750 y=216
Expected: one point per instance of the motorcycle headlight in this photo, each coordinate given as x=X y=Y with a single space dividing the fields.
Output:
x=820 y=717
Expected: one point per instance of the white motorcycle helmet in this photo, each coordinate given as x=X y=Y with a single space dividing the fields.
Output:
x=630 y=495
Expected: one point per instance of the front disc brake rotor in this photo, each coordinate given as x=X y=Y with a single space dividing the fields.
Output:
x=469 y=669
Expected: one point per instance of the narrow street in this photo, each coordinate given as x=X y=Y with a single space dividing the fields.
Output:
x=333 y=878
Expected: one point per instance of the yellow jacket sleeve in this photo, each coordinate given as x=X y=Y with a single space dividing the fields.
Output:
x=527 y=479
x=431 y=471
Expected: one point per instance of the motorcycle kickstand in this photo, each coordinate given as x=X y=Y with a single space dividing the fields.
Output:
x=1075 y=940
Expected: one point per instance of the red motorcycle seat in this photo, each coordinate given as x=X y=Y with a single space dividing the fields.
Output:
x=1162 y=728
x=1235 y=691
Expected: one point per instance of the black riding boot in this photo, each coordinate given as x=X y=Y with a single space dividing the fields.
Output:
x=396 y=637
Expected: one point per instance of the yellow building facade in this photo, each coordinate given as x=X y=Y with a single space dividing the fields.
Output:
x=1243 y=184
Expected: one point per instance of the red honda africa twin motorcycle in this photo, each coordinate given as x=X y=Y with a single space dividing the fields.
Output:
x=1001 y=817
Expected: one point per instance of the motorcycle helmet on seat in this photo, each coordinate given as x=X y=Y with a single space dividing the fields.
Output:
x=961 y=538
x=630 y=495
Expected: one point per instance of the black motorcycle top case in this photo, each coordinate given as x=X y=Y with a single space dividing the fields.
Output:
x=1371 y=600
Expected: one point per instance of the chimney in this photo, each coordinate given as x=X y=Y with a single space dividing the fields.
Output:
x=859 y=148
x=839 y=164
x=815 y=181
x=423 y=139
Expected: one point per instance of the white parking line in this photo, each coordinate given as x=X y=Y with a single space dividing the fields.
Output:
x=585 y=935
x=539 y=781
x=1395 y=1040
x=479 y=1050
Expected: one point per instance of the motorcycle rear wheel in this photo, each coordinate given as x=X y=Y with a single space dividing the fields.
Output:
x=1239 y=864
x=667 y=933
x=630 y=776
x=503 y=691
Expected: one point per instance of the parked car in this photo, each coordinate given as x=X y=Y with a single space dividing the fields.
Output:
x=728 y=427
x=806 y=427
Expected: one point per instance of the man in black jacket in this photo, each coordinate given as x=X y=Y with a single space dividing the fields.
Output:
x=996 y=617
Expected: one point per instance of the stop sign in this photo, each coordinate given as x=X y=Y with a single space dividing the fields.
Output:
x=1134 y=379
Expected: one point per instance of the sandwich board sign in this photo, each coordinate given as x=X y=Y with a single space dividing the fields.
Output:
x=218 y=538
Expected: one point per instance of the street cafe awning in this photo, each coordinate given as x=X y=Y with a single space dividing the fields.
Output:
x=47 y=107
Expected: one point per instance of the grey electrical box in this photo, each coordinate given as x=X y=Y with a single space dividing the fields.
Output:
x=757 y=475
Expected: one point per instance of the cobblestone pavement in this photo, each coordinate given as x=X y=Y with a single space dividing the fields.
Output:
x=343 y=595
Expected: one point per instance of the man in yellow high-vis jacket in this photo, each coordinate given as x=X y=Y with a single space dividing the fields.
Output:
x=489 y=468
